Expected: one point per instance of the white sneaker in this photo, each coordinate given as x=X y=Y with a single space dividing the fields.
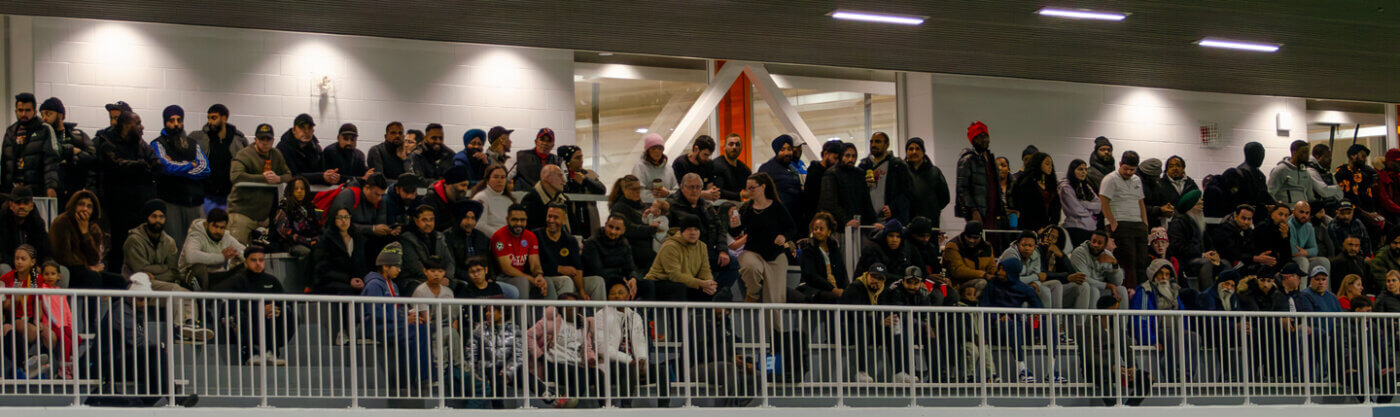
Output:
x=257 y=359
x=194 y=333
x=341 y=339
x=905 y=378
x=271 y=357
x=36 y=366
x=864 y=378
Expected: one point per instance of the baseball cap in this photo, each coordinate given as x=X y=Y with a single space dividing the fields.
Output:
x=120 y=105
x=878 y=270
x=545 y=132
x=264 y=131
x=1318 y=270
x=349 y=129
x=304 y=120
x=497 y=131
x=1291 y=269
x=411 y=181
x=1345 y=205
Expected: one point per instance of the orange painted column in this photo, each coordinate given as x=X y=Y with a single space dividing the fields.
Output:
x=735 y=113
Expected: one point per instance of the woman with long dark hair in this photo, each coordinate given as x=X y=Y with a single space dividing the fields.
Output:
x=1036 y=195
x=298 y=222
x=824 y=276
x=495 y=198
x=625 y=200
x=766 y=225
x=1079 y=202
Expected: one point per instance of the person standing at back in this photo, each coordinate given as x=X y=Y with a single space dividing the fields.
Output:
x=928 y=192
x=1101 y=161
x=1121 y=198
x=529 y=162
x=184 y=170
x=889 y=194
x=730 y=172
x=978 y=196
x=220 y=141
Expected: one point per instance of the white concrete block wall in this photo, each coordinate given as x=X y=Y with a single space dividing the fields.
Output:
x=1062 y=119
x=267 y=76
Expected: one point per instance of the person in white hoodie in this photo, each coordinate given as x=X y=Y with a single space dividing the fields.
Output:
x=209 y=248
x=620 y=338
x=494 y=196
x=653 y=171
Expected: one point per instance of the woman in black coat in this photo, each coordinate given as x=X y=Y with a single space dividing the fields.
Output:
x=340 y=257
x=822 y=281
x=1037 y=194
x=626 y=201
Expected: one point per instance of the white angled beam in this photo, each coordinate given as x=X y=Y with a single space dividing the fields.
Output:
x=783 y=109
x=700 y=112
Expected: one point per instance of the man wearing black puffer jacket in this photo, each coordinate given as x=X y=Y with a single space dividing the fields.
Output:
x=845 y=193
x=303 y=152
x=30 y=156
x=76 y=156
x=127 y=171
x=608 y=255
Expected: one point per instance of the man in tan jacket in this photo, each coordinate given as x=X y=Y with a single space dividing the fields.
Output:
x=682 y=268
x=255 y=172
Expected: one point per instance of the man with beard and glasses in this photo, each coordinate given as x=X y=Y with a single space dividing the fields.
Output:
x=342 y=156
x=76 y=156
x=889 y=189
x=184 y=170
x=150 y=250
x=210 y=249
x=730 y=173
x=1101 y=161
x=303 y=152
x=928 y=191
x=979 y=195
x=473 y=155
x=29 y=152
x=432 y=158
x=845 y=194
x=127 y=166
x=384 y=157
x=220 y=142
x=787 y=184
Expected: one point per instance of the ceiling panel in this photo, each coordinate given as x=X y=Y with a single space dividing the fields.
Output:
x=1332 y=49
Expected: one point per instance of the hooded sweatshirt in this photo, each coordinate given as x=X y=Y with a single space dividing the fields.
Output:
x=155 y=256
x=1098 y=168
x=1291 y=183
x=682 y=262
x=200 y=249
x=303 y=158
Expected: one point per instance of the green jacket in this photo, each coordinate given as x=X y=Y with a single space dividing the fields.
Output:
x=1385 y=261
x=158 y=259
x=679 y=261
x=247 y=167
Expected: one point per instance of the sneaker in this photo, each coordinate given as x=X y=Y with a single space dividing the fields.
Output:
x=1060 y=379
x=192 y=332
x=565 y=403
x=905 y=378
x=272 y=358
x=341 y=339
x=995 y=379
x=257 y=359
x=1027 y=378
x=36 y=366
x=864 y=378
x=188 y=401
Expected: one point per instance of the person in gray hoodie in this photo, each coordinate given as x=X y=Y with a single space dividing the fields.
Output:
x=1293 y=180
x=1095 y=260
x=209 y=248
x=1051 y=291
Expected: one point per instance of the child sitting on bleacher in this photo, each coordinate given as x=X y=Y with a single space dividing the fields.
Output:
x=561 y=344
x=496 y=350
x=406 y=337
x=620 y=336
x=658 y=214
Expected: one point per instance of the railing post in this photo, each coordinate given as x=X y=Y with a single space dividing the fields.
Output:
x=1300 y=333
x=1051 y=338
x=529 y=372
x=438 y=332
x=979 y=359
x=1365 y=364
x=352 y=324
x=170 y=348
x=1183 y=361
x=840 y=342
x=261 y=325
x=1121 y=353
x=767 y=347
x=73 y=347
x=1246 y=371
x=685 y=354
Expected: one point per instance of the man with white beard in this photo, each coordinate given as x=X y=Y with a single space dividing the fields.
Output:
x=1187 y=242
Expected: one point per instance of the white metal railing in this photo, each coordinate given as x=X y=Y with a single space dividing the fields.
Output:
x=450 y=353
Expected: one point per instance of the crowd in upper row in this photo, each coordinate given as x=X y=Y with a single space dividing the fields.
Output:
x=183 y=207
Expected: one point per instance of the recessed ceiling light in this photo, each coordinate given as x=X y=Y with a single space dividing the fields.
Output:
x=1081 y=14
x=641 y=130
x=1243 y=46
x=902 y=19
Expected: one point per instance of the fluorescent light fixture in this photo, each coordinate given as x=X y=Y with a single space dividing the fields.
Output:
x=901 y=19
x=1243 y=46
x=641 y=130
x=1081 y=14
